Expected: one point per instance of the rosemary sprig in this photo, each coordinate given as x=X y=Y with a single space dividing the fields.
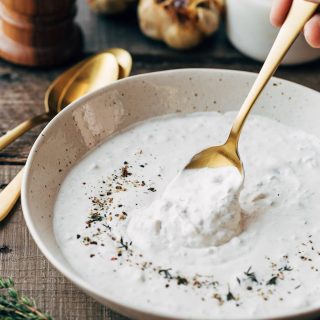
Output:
x=14 y=306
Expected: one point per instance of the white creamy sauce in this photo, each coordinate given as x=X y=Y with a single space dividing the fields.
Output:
x=199 y=208
x=201 y=243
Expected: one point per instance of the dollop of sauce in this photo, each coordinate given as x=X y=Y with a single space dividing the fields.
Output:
x=201 y=244
x=199 y=208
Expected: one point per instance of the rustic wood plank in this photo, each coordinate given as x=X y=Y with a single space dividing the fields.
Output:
x=21 y=97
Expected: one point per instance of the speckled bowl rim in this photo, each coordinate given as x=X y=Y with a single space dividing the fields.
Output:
x=125 y=308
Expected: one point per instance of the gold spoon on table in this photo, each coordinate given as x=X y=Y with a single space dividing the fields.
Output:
x=227 y=154
x=91 y=81
x=55 y=91
x=81 y=82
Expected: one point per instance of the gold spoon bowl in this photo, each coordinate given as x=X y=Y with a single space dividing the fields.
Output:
x=91 y=76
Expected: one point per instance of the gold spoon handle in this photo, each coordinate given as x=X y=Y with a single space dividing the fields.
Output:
x=10 y=194
x=299 y=14
x=22 y=128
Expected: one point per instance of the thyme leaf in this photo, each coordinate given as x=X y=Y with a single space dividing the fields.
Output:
x=123 y=245
x=166 y=273
x=251 y=275
x=286 y=268
x=272 y=281
x=181 y=280
x=230 y=295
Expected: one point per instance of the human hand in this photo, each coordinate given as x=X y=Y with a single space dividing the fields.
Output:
x=280 y=9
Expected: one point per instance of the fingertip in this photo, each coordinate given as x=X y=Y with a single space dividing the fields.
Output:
x=312 y=31
x=275 y=20
x=279 y=11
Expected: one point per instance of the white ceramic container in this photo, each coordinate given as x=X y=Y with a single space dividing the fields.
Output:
x=250 y=31
x=92 y=119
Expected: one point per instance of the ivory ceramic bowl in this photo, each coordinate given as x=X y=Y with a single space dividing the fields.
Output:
x=88 y=121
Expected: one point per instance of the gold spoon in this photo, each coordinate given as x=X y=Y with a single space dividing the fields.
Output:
x=227 y=154
x=10 y=195
x=93 y=75
x=81 y=82
x=124 y=60
x=55 y=91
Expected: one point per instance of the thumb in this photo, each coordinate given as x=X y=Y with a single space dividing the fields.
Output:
x=312 y=31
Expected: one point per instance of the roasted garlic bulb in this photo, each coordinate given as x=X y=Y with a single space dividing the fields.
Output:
x=109 y=6
x=182 y=24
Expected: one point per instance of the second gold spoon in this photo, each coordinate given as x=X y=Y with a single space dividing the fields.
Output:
x=227 y=154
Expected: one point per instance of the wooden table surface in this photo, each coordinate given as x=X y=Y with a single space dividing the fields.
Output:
x=21 y=96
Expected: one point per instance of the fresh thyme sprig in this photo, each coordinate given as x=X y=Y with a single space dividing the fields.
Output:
x=14 y=306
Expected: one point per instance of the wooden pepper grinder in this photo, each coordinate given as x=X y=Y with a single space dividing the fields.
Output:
x=38 y=32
